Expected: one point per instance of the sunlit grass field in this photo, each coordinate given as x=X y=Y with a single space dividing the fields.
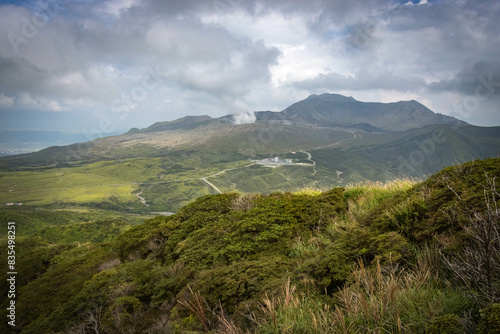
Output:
x=164 y=183
x=91 y=183
x=103 y=181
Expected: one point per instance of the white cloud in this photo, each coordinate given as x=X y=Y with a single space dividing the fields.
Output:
x=421 y=2
x=274 y=27
x=244 y=118
x=5 y=101
x=54 y=106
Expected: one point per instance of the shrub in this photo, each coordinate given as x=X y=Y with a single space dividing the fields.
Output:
x=390 y=247
x=445 y=324
x=490 y=320
x=139 y=241
x=240 y=282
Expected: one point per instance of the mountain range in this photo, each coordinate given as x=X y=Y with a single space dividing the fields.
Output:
x=330 y=111
x=331 y=139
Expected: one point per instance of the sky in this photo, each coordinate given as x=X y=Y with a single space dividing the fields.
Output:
x=107 y=66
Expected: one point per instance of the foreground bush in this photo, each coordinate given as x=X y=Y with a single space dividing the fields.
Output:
x=371 y=258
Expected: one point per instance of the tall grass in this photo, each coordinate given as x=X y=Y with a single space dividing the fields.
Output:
x=364 y=196
x=376 y=300
x=198 y=306
x=310 y=191
x=307 y=247
x=361 y=198
x=290 y=312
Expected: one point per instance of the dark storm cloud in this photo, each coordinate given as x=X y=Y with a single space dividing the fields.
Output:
x=19 y=74
x=48 y=59
x=481 y=78
x=426 y=41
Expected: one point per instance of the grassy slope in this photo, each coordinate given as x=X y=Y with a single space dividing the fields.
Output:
x=415 y=153
x=246 y=140
x=102 y=181
x=378 y=243
x=71 y=224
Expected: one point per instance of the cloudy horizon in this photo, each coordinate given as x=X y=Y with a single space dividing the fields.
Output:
x=83 y=65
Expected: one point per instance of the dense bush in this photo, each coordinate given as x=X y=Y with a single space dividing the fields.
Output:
x=445 y=324
x=370 y=258
x=490 y=320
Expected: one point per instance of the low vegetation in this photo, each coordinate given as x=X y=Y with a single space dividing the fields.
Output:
x=390 y=257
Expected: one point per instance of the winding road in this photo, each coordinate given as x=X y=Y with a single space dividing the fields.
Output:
x=211 y=185
x=309 y=155
x=204 y=179
x=142 y=199
x=354 y=136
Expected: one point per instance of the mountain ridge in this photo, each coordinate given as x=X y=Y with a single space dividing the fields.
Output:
x=341 y=111
x=328 y=110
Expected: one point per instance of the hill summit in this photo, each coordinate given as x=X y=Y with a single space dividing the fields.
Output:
x=334 y=110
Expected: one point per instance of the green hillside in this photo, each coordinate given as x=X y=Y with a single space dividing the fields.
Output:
x=168 y=179
x=397 y=257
